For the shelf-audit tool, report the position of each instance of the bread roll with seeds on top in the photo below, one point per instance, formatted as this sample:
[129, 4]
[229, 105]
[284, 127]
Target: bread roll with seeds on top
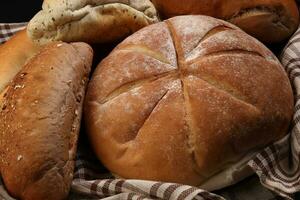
[40, 121]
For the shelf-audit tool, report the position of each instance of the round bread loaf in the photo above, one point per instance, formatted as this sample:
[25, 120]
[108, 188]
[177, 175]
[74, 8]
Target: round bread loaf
[185, 100]
[268, 20]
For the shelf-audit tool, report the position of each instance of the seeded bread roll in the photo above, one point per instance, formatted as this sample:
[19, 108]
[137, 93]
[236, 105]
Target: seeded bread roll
[268, 20]
[93, 21]
[40, 121]
[13, 55]
[187, 106]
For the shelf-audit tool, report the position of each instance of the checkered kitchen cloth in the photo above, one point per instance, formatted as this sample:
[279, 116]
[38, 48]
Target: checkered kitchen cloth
[277, 166]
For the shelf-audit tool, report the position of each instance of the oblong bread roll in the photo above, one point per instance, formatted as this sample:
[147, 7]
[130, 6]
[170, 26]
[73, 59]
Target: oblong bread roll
[269, 21]
[13, 55]
[93, 21]
[40, 121]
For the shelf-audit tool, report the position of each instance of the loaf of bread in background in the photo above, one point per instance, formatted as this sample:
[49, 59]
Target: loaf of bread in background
[268, 20]
[13, 55]
[184, 101]
[40, 121]
[92, 21]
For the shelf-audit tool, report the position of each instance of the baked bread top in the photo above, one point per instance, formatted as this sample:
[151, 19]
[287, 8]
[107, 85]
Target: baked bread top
[268, 20]
[13, 55]
[188, 104]
[93, 21]
[40, 122]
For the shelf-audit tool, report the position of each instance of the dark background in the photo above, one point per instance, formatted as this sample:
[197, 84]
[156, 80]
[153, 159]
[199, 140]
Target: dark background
[18, 10]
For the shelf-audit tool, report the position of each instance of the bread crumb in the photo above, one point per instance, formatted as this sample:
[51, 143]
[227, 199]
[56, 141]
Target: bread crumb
[22, 75]
[17, 87]
[19, 157]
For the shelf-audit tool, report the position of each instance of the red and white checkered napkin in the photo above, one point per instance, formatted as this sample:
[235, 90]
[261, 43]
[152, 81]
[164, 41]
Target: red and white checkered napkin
[277, 166]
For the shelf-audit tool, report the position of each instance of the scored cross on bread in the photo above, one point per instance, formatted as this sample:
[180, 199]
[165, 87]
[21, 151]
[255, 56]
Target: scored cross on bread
[185, 99]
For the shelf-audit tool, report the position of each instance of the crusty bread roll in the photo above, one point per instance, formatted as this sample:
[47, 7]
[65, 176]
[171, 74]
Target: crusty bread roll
[93, 21]
[187, 105]
[13, 55]
[40, 121]
[268, 20]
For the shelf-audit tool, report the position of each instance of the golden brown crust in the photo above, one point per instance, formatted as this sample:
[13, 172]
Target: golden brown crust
[268, 20]
[13, 55]
[40, 121]
[190, 103]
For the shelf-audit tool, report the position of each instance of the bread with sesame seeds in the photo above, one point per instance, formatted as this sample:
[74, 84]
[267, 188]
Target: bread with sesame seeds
[40, 121]
[13, 55]
[190, 106]
[92, 21]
